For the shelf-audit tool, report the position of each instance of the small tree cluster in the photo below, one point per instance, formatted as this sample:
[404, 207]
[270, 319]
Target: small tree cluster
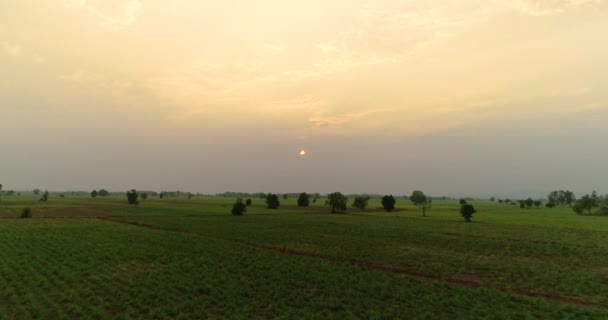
[586, 204]
[272, 201]
[561, 197]
[94, 194]
[337, 201]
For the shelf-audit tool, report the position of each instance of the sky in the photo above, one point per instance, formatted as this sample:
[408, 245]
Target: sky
[458, 98]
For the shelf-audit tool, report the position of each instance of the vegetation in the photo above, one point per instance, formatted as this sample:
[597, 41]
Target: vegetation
[418, 198]
[94, 194]
[467, 211]
[388, 203]
[360, 202]
[26, 213]
[239, 208]
[181, 259]
[337, 201]
[272, 201]
[303, 200]
[248, 202]
[144, 195]
[45, 197]
[132, 197]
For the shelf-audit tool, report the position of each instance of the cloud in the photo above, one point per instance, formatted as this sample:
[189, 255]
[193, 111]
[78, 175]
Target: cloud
[11, 48]
[112, 14]
[547, 7]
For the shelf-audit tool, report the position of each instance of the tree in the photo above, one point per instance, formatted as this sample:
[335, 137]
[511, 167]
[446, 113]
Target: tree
[285, 196]
[462, 202]
[248, 202]
[144, 196]
[316, 197]
[45, 196]
[272, 201]
[360, 202]
[103, 193]
[418, 198]
[388, 202]
[94, 194]
[132, 197]
[522, 204]
[36, 192]
[493, 199]
[303, 199]
[337, 201]
[586, 203]
[529, 203]
[550, 205]
[467, 211]
[161, 195]
[190, 195]
[238, 208]
[537, 203]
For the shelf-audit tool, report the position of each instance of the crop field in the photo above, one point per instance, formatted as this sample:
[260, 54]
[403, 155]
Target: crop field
[84, 258]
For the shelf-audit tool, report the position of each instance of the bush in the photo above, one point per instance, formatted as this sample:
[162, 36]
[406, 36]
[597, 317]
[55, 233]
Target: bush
[467, 211]
[238, 208]
[248, 202]
[26, 213]
[360, 202]
[144, 196]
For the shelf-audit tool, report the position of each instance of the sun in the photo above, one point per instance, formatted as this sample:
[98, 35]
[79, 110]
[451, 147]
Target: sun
[302, 153]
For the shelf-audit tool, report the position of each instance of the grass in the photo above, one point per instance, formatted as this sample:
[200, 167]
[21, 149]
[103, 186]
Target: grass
[179, 258]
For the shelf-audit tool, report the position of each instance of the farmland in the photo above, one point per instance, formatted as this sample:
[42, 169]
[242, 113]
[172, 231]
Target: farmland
[177, 258]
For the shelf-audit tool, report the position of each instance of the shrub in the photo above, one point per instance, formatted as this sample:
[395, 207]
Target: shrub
[26, 213]
[144, 196]
[248, 202]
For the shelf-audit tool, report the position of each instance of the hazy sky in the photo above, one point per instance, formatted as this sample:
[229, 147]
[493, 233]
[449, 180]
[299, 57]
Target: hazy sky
[463, 97]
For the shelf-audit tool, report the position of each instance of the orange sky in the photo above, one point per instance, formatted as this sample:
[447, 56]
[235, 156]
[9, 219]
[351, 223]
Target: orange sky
[108, 75]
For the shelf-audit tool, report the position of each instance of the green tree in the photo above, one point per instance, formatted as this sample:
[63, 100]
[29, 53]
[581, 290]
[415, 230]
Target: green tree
[132, 197]
[103, 193]
[467, 211]
[45, 196]
[303, 199]
[238, 208]
[585, 204]
[36, 192]
[529, 203]
[388, 203]
[272, 201]
[248, 202]
[144, 196]
[360, 202]
[462, 202]
[285, 196]
[537, 203]
[418, 198]
[337, 201]
[94, 194]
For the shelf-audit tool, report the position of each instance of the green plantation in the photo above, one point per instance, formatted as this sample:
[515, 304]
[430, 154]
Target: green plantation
[180, 258]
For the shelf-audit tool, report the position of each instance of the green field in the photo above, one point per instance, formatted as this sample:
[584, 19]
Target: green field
[83, 258]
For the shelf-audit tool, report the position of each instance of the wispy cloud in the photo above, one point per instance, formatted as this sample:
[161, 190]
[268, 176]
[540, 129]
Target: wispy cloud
[546, 7]
[112, 14]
